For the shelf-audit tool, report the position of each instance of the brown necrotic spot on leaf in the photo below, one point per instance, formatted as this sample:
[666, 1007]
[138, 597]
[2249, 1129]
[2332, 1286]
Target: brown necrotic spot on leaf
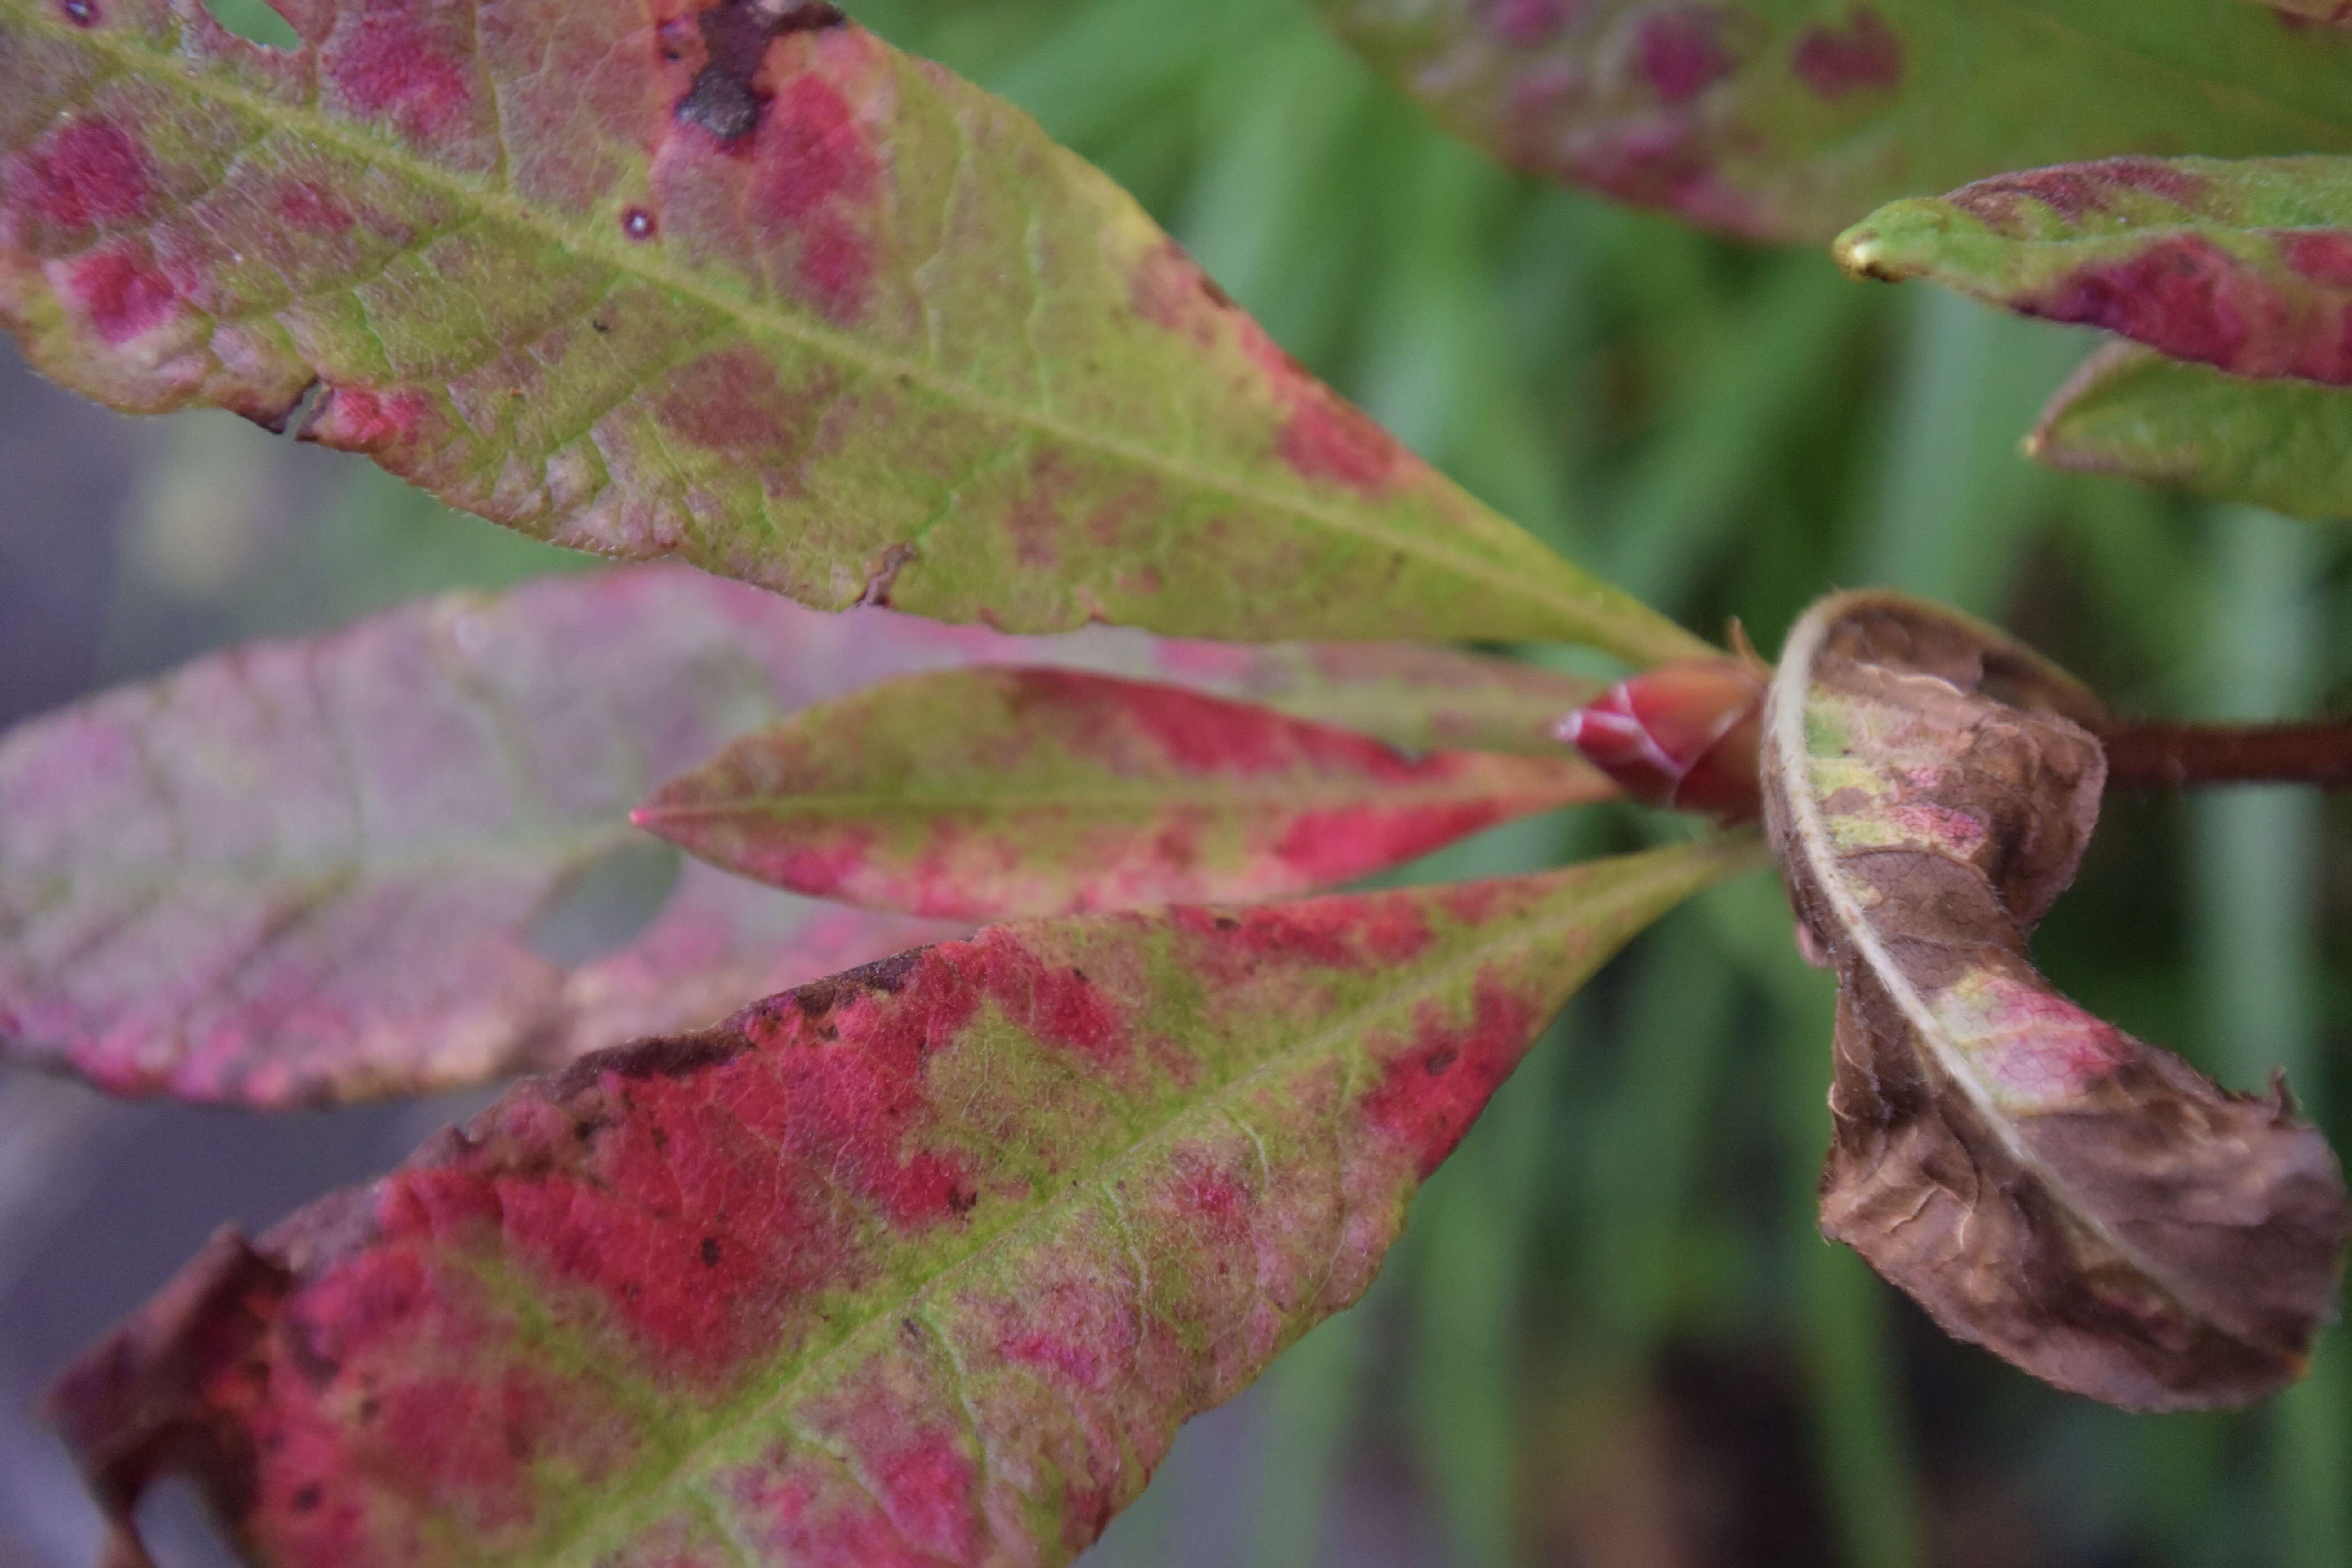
[2080, 1203]
[725, 99]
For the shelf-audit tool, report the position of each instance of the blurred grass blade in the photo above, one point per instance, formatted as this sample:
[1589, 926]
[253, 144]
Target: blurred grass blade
[1954, 503]
[2130, 411]
[2259, 860]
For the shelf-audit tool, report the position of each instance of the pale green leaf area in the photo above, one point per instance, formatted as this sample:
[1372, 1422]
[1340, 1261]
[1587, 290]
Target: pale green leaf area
[2285, 445]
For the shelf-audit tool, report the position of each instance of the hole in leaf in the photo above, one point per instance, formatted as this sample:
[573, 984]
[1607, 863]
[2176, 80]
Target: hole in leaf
[256, 23]
[605, 905]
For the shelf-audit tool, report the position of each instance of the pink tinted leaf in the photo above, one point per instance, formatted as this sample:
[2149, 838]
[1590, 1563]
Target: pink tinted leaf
[732, 281]
[2246, 266]
[1789, 121]
[990, 793]
[335, 869]
[2129, 411]
[2084, 1204]
[326, 870]
[921, 1263]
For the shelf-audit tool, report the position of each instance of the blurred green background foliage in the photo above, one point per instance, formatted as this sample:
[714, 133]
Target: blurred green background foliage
[1613, 1337]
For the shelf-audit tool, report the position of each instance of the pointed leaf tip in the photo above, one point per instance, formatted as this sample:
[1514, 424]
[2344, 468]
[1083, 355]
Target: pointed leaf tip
[773, 298]
[922, 1263]
[2080, 1202]
[2245, 265]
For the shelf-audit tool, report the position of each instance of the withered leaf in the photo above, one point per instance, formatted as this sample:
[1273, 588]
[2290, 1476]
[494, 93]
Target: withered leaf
[2082, 1204]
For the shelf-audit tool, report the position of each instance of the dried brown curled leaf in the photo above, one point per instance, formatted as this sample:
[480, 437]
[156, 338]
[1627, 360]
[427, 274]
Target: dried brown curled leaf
[2084, 1204]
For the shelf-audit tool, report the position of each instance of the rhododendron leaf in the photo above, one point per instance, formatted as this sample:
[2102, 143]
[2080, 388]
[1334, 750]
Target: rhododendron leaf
[2244, 266]
[2285, 445]
[736, 282]
[1789, 121]
[991, 794]
[330, 871]
[2080, 1203]
[923, 1263]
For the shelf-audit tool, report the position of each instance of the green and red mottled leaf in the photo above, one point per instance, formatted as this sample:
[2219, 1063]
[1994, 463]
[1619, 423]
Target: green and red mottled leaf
[1412, 695]
[995, 793]
[730, 280]
[2084, 1204]
[921, 1263]
[1788, 120]
[325, 870]
[2245, 265]
[2129, 411]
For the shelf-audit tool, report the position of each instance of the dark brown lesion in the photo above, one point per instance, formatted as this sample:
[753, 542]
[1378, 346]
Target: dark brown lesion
[724, 99]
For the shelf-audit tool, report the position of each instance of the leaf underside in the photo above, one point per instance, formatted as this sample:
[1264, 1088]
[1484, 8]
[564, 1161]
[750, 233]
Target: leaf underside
[996, 793]
[698, 279]
[921, 1264]
[1788, 120]
[2244, 266]
[2129, 411]
[2078, 1202]
[323, 871]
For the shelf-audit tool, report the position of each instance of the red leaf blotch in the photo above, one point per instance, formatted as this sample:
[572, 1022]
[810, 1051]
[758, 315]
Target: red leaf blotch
[1336, 933]
[2177, 294]
[731, 403]
[815, 161]
[2074, 191]
[1323, 437]
[1680, 52]
[358, 419]
[1058, 1005]
[395, 66]
[1526, 23]
[1334, 844]
[122, 294]
[1865, 55]
[1434, 1089]
[87, 171]
[2322, 255]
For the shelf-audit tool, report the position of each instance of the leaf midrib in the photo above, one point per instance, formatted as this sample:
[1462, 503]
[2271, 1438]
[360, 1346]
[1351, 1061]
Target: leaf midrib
[1658, 640]
[593, 1537]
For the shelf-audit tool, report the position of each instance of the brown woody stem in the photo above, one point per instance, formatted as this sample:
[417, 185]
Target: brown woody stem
[2175, 756]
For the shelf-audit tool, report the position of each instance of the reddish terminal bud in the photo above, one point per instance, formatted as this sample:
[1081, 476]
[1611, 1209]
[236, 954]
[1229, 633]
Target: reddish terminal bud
[1684, 734]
